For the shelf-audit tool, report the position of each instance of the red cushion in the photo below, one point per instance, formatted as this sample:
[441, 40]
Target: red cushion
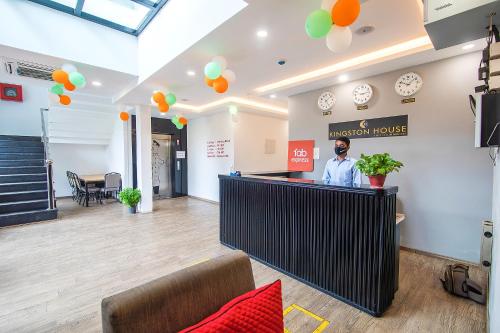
[259, 310]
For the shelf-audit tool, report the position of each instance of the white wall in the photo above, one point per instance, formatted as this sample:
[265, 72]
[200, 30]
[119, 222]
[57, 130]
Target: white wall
[494, 293]
[116, 151]
[250, 135]
[179, 25]
[203, 171]
[23, 118]
[29, 26]
[81, 159]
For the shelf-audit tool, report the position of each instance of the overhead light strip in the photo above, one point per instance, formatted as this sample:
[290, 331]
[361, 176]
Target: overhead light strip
[234, 100]
[421, 43]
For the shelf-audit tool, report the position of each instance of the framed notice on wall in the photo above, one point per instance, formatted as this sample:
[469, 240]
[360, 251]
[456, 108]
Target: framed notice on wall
[301, 155]
[11, 92]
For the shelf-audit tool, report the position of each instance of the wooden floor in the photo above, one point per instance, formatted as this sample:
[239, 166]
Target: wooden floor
[53, 275]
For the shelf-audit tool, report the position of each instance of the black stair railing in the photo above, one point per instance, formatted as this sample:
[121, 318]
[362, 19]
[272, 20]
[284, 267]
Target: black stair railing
[48, 162]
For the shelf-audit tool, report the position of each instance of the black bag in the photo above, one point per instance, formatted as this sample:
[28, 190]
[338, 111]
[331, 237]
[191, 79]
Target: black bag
[456, 281]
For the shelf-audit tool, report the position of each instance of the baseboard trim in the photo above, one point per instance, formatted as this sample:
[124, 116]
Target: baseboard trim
[203, 199]
[434, 255]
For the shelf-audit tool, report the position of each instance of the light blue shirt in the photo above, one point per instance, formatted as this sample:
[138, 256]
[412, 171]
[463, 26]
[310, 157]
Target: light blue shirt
[342, 172]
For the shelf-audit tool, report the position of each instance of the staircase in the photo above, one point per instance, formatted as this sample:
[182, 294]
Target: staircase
[24, 188]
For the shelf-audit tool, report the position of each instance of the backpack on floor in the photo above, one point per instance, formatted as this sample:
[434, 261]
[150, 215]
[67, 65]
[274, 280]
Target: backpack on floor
[456, 281]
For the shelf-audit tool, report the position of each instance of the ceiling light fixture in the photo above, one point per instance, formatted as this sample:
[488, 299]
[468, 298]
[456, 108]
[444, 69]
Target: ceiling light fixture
[262, 33]
[467, 47]
[343, 78]
[395, 51]
[96, 83]
[273, 96]
[229, 100]
[191, 73]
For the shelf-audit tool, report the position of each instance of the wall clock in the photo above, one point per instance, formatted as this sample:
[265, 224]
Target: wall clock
[362, 94]
[326, 100]
[408, 84]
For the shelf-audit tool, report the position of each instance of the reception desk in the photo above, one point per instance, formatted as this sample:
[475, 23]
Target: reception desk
[340, 240]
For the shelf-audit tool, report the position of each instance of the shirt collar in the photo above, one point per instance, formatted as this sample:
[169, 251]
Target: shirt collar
[347, 158]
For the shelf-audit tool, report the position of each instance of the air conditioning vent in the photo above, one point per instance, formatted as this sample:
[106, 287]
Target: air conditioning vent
[28, 69]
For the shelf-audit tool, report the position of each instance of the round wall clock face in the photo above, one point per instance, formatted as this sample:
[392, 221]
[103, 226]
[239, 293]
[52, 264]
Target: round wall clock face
[326, 100]
[408, 84]
[362, 94]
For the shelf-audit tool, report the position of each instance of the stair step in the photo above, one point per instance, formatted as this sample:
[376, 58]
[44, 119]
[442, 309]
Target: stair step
[11, 219]
[23, 186]
[21, 149]
[22, 170]
[19, 138]
[20, 163]
[23, 206]
[22, 178]
[12, 143]
[23, 196]
[21, 156]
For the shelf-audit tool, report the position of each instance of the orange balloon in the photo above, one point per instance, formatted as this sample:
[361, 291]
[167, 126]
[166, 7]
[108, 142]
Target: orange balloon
[60, 76]
[69, 86]
[124, 116]
[209, 82]
[64, 100]
[220, 85]
[183, 121]
[163, 107]
[345, 12]
[159, 97]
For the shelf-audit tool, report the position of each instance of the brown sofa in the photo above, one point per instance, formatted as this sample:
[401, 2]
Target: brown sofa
[179, 300]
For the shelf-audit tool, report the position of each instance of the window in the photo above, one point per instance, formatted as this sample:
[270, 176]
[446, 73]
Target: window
[130, 16]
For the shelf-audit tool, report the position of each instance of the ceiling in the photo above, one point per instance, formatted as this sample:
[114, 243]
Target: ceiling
[254, 60]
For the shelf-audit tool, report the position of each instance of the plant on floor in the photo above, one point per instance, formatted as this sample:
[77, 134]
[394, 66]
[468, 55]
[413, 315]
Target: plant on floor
[377, 167]
[130, 197]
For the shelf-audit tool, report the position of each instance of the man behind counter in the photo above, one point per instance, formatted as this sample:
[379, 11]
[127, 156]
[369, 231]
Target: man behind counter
[341, 170]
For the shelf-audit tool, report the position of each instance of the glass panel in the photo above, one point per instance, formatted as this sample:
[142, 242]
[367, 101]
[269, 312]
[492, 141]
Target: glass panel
[69, 3]
[124, 12]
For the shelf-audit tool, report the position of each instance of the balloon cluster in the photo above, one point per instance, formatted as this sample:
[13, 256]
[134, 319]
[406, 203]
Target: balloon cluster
[179, 121]
[67, 78]
[333, 21]
[163, 101]
[218, 76]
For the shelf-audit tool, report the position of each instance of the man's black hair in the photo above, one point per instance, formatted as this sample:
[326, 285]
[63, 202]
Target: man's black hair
[344, 139]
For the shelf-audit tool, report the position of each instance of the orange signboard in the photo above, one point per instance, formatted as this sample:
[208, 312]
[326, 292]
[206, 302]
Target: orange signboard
[300, 155]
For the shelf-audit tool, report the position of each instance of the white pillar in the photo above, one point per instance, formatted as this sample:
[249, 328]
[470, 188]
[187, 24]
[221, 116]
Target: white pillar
[144, 168]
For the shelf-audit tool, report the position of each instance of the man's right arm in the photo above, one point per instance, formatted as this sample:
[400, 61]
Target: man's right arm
[326, 173]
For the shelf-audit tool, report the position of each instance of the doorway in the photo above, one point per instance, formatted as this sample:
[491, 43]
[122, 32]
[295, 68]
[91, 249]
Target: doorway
[161, 152]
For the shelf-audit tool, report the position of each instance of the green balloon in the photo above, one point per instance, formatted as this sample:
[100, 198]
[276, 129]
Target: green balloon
[318, 24]
[57, 89]
[179, 126]
[213, 70]
[77, 79]
[171, 99]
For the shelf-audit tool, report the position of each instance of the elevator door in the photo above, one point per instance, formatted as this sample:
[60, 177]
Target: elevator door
[161, 150]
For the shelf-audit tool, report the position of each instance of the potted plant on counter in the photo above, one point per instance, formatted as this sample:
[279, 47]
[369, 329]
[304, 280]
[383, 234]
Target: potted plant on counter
[130, 197]
[377, 167]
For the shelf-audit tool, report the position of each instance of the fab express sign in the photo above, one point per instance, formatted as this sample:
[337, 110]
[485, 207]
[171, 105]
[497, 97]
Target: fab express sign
[300, 155]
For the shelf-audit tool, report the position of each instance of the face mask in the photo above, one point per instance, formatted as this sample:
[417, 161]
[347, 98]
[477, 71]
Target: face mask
[340, 150]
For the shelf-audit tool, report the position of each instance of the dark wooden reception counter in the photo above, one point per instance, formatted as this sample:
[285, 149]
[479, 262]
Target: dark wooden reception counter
[340, 240]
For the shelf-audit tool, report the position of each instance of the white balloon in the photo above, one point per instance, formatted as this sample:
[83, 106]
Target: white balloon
[328, 5]
[339, 38]
[229, 75]
[153, 102]
[53, 98]
[69, 68]
[221, 61]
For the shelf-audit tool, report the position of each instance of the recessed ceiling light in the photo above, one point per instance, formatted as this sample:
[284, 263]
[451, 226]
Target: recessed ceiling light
[262, 33]
[96, 83]
[191, 73]
[343, 78]
[467, 47]
[273, 96]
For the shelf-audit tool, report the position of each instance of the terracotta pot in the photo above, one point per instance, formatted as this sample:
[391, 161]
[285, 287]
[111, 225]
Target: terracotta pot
[377, 181]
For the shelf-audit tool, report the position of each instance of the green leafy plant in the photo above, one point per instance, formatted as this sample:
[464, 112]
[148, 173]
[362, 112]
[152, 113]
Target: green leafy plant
[377, 164]
[130, 197]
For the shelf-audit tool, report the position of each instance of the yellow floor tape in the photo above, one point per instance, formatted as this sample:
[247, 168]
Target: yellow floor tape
[324, 323]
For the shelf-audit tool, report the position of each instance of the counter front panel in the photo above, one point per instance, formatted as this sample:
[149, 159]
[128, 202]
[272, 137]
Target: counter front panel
[339, 240]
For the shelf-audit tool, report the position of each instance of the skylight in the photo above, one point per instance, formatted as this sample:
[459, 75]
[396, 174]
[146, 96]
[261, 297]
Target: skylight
[130, 16]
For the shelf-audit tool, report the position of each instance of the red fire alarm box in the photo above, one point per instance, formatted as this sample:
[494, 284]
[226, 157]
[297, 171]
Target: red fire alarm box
[11, 92]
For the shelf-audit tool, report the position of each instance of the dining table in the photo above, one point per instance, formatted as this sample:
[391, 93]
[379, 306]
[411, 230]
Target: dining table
[91, 181]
